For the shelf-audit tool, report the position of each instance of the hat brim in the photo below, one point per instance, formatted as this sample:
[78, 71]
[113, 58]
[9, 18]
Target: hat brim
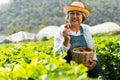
[76, 8]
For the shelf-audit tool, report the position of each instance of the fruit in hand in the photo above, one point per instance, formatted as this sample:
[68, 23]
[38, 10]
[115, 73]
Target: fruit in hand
[66, 26]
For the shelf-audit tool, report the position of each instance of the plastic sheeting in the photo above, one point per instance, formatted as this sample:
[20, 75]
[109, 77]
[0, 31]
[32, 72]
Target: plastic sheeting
[50, 31]
[105, 27]
[47, 32]
[20, 36]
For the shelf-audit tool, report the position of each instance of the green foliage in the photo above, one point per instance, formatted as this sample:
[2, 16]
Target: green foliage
[37, 61]
[108, 52]
[29, 15]
[112, 33]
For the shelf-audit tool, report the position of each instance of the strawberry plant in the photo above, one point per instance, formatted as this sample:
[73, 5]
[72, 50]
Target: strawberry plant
[108, 52]
[37, 61]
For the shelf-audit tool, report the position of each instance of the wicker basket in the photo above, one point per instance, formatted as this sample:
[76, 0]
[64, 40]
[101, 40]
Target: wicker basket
[82, 57]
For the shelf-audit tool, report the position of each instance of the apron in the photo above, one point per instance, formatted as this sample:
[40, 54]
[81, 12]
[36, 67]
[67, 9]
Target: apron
[75, 42]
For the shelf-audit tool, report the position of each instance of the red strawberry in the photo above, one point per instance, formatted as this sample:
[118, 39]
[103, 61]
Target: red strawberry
[66, 26]
[83, 49]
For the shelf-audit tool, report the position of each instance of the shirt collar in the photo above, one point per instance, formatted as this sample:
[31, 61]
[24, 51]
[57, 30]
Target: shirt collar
[80, 32]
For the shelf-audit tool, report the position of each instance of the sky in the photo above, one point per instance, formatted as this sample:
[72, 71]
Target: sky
[3, 1]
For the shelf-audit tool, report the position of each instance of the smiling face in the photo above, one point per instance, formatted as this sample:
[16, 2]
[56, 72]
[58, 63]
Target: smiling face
[75, 18]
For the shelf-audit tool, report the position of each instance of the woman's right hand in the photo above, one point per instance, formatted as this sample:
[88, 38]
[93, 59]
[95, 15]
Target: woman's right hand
[66, 35]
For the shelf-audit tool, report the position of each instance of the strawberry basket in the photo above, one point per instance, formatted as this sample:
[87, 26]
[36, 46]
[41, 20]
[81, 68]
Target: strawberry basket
[82, 55]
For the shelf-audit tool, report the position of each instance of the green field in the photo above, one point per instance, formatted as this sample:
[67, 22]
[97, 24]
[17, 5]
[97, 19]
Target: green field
[37, 61]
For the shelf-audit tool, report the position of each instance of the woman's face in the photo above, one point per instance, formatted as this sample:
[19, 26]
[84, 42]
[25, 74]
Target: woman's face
[75, 18]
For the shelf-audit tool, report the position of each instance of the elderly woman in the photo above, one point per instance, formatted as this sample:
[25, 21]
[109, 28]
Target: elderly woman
[74, 34]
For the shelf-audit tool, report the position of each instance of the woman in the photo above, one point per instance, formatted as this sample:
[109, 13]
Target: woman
[74, 34]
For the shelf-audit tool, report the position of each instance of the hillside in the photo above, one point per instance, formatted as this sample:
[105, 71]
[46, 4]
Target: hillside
[31, 15]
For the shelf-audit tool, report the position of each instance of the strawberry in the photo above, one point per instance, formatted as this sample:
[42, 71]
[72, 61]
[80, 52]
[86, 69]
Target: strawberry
[83, 49]
[66, 26]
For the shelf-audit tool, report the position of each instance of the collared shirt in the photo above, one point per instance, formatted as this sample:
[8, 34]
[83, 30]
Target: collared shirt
[58, 39]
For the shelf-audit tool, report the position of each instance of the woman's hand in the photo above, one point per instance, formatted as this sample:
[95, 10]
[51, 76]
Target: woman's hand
[66, 35]
[92, 64]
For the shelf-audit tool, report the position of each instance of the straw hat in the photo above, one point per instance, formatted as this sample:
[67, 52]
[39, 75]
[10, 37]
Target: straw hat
[78, 6]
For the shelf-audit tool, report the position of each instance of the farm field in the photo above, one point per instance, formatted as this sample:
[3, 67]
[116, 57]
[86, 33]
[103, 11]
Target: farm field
[37, 61]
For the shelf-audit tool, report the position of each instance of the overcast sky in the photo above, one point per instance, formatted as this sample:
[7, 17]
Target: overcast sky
[3, 1]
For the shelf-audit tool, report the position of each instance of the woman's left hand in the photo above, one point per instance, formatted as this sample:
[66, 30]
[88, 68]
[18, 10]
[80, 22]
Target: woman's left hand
[92, 64]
